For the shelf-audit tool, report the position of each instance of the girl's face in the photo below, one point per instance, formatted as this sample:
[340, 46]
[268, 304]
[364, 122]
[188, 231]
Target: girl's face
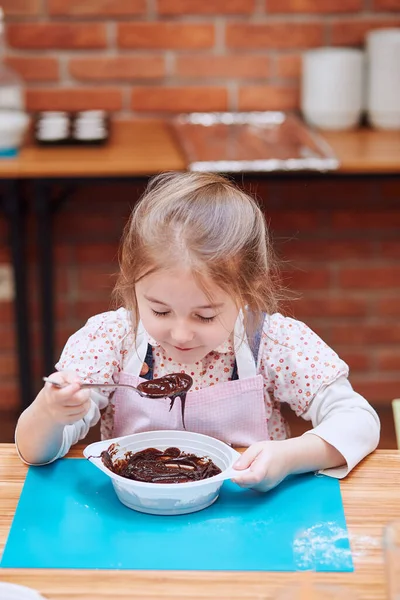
[181, 318]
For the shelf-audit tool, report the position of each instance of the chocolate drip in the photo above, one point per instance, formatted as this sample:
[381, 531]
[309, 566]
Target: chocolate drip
[172, 386]
[155, 466]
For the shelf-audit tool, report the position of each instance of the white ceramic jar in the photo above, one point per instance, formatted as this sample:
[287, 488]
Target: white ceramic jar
[383, 95]
[332, 90]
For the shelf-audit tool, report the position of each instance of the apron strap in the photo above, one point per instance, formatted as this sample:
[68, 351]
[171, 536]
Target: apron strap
[254, 347]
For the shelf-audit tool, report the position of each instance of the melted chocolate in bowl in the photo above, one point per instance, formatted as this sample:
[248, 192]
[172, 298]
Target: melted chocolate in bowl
[157, 466]
[170, 386]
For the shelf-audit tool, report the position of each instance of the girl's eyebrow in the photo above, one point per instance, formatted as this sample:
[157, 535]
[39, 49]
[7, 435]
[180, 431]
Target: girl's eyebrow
[150, 299]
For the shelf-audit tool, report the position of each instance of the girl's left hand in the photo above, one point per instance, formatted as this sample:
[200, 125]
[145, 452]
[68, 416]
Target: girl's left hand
[268, 464]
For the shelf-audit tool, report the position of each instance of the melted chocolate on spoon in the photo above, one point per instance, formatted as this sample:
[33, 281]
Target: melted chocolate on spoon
[170, 386]
[155, 466]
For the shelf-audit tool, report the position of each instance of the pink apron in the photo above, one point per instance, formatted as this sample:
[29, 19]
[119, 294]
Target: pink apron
[233, 411]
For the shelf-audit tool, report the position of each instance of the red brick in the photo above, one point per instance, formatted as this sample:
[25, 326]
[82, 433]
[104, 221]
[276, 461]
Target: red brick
[314, 6]
[96, 8]
[71, 227]
[177, 36]
[122, 68]
[288, 66]
[388, 307]
[369, 219]
[390, 249]
[223, 67]
[35, 68]
[274, 35]
[357, 360]
[8, 366]
[6, 312]
[353, 32]
[300, 220]
[190, 7]
[179, 99]
[315, 279]
[376, 389]
[62, 253]
[56, 35]
[372, 278]
[21, 8]
[367, 335]
[323, 250]
[10, 396]
[97, 253]
[74, 99]
[95, 280]
[268, 97]
[389, 360]
[387, 5]
[5, 255]
[7, 338]
[329, 307]
[84, 309]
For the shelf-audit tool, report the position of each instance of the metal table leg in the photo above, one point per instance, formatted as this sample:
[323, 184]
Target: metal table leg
[14, 211]
[43, 211]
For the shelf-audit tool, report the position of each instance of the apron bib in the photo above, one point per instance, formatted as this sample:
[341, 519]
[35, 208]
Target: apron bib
[233, 411]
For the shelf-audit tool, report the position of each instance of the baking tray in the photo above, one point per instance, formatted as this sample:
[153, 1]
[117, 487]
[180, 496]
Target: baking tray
[251, 141]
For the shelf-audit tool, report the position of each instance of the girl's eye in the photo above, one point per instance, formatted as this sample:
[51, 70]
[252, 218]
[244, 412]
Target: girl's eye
[205, 319]
[160, 314]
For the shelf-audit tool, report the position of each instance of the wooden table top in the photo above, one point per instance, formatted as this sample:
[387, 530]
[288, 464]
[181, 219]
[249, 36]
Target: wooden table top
[366, 150]
[142, 148]
[371, 499]
[136, 148]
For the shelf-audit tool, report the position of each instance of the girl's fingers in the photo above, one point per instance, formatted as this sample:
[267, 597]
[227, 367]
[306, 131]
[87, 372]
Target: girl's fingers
[78, 398]
[67, 392]
[79, 414]
[258, 469]
[248, 456]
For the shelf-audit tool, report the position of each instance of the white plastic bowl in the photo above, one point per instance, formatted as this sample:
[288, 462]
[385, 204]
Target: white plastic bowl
[168, 498]
[13, 126]
[12, 591]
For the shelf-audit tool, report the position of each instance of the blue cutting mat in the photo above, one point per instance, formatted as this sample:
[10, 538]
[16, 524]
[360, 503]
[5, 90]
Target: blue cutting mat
[68, 516]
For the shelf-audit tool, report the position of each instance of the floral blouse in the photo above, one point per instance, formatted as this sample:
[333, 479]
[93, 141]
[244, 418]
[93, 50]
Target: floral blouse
[294, 362]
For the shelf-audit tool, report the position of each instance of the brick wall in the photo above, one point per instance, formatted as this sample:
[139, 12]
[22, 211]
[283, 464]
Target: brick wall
[339, 241]
[162, 56]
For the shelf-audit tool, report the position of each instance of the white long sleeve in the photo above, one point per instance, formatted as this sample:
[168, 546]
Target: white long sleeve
[344, 419]
[73, 433]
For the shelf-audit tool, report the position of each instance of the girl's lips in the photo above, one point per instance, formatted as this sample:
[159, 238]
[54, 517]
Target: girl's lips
[183, 349]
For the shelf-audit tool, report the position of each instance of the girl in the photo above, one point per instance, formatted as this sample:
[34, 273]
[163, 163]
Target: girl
[199, 292]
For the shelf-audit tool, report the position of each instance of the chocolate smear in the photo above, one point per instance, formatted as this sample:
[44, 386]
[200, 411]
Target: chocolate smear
[156, 466]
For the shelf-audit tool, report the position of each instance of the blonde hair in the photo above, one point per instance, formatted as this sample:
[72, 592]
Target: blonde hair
[206, 223]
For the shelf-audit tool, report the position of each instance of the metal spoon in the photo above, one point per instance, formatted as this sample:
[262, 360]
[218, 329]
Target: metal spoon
[169, 386]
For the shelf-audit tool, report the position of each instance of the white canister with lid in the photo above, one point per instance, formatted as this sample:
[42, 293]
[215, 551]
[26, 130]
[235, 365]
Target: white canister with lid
[332, 90]
[383, 95]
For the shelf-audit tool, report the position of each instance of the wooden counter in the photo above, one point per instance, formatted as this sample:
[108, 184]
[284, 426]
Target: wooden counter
[366, 150]
[371, 499]
[137, 148]
[141, 148]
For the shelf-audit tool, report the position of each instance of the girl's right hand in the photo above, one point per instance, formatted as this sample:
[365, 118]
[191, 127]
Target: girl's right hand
[66, 405]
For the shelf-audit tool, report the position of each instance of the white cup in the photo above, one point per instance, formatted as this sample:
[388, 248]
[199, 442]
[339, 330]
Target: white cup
[383, 95]
[332, 87]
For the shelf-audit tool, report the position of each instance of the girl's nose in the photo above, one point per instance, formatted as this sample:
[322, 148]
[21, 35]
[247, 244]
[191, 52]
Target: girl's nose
[182, 335]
